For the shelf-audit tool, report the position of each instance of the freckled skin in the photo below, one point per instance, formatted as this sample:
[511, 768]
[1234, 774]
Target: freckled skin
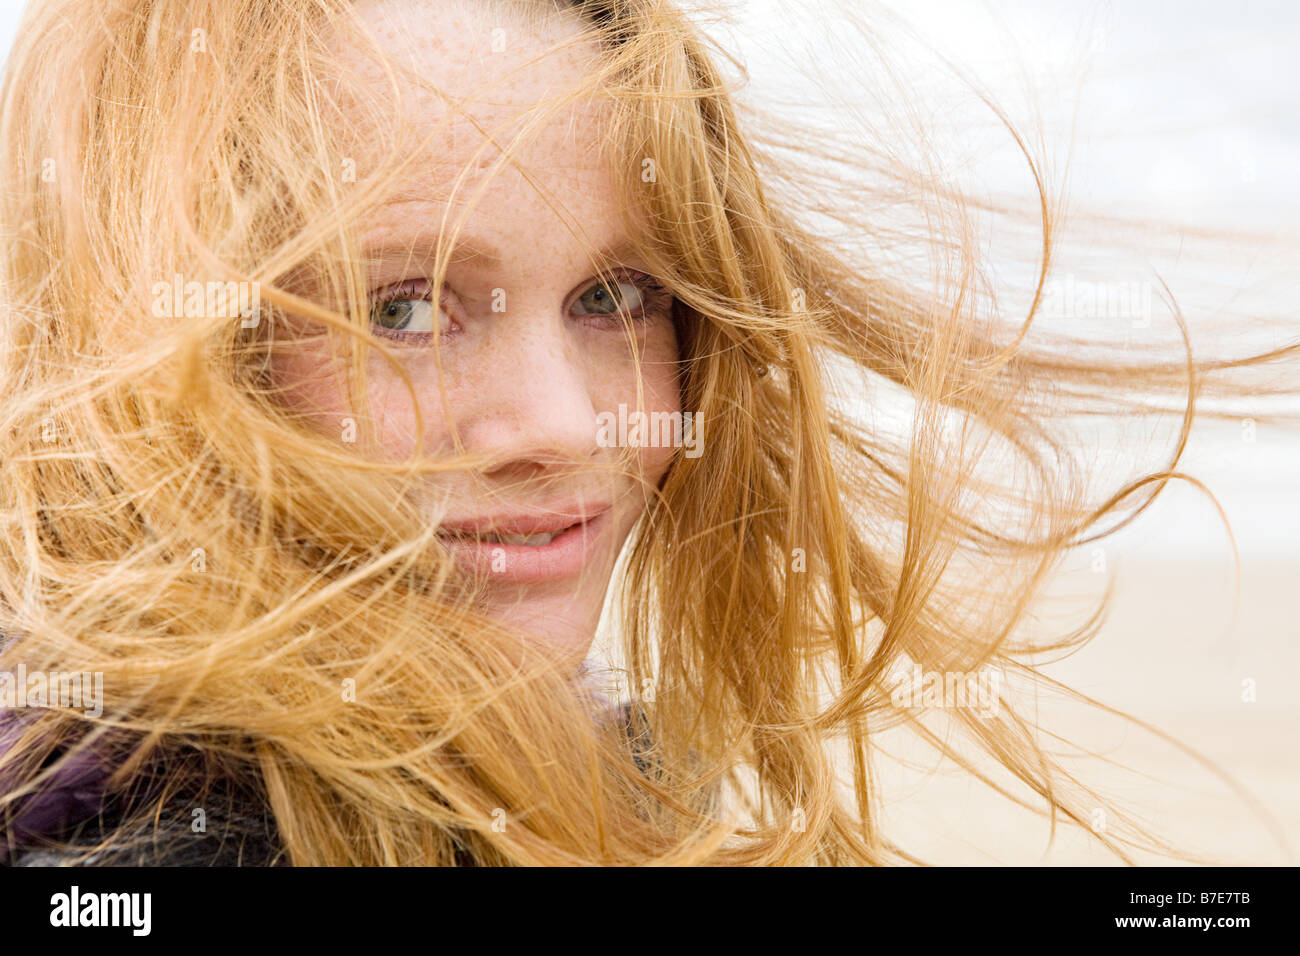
[525, 384]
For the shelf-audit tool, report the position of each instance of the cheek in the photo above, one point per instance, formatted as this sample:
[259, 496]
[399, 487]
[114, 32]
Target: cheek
[313, 383]
[308, 382]
[654, 462]
[656, 372]
[660, 392]
[394, 409]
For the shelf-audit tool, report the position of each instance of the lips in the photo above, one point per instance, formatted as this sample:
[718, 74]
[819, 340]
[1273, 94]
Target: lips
[520, 548]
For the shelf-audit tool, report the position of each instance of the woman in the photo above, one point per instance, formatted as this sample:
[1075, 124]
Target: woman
[358, 350]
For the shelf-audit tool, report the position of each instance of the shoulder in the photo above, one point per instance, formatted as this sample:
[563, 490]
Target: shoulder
[232, 843]
[75, 819]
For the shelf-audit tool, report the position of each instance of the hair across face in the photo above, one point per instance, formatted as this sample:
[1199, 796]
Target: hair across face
[522, 348]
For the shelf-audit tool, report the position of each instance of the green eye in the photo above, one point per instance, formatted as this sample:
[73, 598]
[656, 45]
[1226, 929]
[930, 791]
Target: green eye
[607, 298]
[409, 315]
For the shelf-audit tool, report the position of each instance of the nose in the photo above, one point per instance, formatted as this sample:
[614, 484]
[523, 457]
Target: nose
[533, 414]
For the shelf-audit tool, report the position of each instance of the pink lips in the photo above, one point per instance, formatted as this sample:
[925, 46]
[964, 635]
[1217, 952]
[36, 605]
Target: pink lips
[571, 550]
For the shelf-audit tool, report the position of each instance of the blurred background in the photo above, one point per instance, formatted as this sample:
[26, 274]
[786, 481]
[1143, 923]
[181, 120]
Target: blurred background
[1182, 115]
[1182, 112]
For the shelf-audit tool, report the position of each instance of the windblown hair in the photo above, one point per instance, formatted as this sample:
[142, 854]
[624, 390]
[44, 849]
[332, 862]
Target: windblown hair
[270, 610]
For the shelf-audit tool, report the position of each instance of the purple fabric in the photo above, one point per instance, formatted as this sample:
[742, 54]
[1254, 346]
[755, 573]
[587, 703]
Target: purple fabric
[73, 794]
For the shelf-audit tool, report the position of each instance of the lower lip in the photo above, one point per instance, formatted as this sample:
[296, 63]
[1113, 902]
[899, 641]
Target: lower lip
[563, 557]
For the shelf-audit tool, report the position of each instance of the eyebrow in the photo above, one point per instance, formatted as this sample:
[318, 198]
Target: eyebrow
[421, 246]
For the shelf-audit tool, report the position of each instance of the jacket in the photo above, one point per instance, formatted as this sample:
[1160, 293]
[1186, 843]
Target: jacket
[65, 823]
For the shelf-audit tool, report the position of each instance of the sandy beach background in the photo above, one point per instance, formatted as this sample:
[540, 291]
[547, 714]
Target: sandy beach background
[1171, 656]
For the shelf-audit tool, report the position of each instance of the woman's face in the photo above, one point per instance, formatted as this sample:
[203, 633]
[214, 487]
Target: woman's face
[521, 340]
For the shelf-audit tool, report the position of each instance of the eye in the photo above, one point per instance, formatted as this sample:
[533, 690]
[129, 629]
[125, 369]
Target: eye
[607, 298]
[635, 296]
[405, 311]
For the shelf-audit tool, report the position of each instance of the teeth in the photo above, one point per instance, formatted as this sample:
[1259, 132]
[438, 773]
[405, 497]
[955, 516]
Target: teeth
[528, 540]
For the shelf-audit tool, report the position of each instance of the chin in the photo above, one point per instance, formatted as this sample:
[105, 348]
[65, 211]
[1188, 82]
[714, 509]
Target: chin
[562, 624]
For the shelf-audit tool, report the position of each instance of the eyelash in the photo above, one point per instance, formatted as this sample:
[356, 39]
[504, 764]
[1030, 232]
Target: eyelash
[657, 299]
[656, 296]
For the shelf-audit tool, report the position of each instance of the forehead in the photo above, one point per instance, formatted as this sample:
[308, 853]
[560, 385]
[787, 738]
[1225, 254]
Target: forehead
[466, 71]
[471, 76]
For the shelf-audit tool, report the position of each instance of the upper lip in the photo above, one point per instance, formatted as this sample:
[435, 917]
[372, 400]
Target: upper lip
[550, 521]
